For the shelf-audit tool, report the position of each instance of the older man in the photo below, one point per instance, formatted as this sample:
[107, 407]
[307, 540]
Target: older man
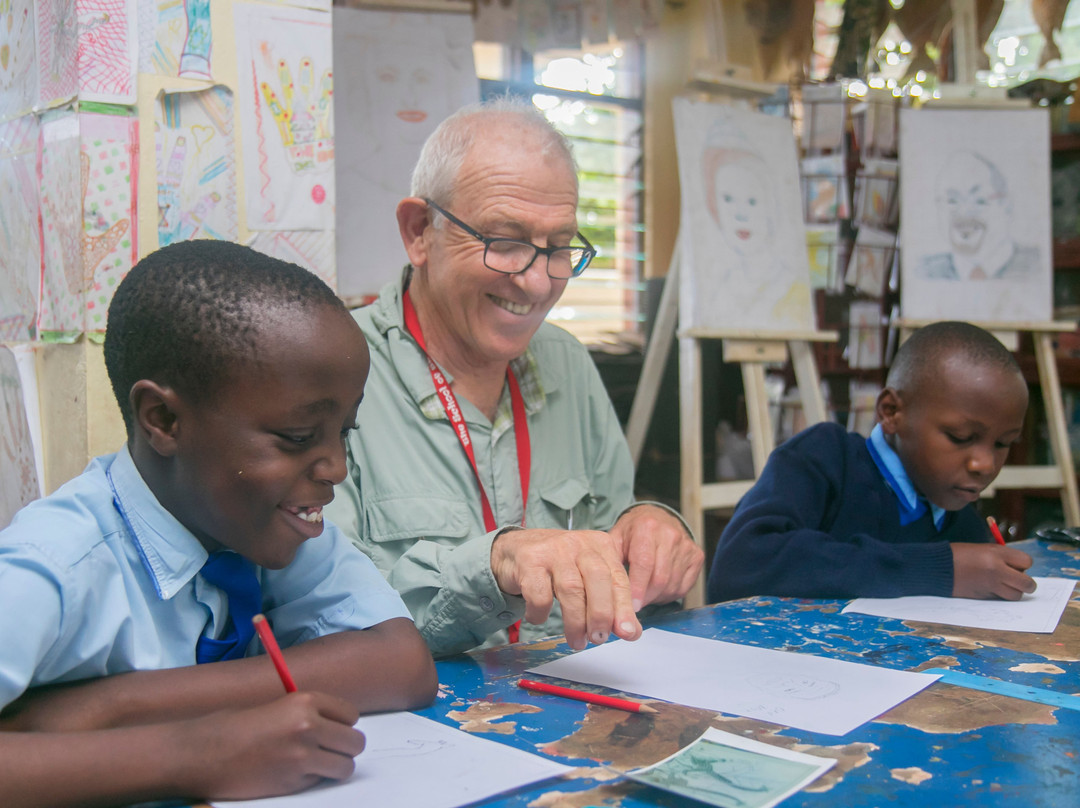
[495, 482]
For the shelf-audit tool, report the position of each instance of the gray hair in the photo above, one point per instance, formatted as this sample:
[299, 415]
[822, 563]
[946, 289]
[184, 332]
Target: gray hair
[436, 173]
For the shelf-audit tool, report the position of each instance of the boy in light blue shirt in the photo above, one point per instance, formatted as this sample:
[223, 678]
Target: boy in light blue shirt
[238, 376]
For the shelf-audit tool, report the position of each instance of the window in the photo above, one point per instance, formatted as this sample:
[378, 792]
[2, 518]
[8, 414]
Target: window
[593, 97]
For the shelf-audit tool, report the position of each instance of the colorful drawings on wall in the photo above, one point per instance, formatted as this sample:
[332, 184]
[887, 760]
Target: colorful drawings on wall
[63, 278]
[285, 83]
[196, 165]
[18, 69]
[20, 250]
[57, 51]
[175, 38]
[108, 50]
[19, 481]
[108, 176]
[311, 249]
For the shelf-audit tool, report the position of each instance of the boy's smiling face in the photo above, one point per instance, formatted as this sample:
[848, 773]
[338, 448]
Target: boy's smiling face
[254, 463]
[954, 431]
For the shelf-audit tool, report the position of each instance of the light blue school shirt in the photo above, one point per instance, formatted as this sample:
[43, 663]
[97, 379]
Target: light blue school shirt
[912, 504]
[99, 579]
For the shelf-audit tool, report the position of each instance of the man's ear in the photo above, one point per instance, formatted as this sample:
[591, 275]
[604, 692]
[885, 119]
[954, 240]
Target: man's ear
[154, 409]
[414, 220]
[887, 409]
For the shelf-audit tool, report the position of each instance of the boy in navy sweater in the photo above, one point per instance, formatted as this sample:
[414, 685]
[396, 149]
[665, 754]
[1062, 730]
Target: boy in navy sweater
[835, 515]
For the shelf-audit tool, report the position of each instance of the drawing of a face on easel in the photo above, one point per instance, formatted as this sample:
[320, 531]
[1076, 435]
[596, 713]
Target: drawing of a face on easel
[739, 199]
[975, 209]
[975, 206]
[742, 232]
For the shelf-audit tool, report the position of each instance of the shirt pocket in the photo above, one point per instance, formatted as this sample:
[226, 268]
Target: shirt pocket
[568, 504]
[443, 520]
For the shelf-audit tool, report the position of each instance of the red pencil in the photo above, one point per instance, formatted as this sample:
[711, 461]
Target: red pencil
[271, 646]
[995, 531]
[581, 695]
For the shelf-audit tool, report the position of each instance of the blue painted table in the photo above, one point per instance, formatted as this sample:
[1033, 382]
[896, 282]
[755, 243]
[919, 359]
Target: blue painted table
[945, 746]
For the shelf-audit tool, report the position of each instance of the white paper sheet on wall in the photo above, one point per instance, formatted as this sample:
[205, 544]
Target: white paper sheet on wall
[397, 75]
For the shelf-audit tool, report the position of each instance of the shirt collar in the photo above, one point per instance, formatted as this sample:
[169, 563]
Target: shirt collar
[912, 505]
[171, 555]
[387, 315]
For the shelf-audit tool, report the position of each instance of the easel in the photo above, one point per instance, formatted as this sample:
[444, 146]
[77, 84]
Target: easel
[752, 350]
[1061, 474]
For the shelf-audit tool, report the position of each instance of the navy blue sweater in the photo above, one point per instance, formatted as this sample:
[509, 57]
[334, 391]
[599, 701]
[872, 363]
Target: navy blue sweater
[820, 522]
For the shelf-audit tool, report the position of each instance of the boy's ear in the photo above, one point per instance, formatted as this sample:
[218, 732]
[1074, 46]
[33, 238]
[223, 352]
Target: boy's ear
[887, 409]
[154, 409]
[414, 219]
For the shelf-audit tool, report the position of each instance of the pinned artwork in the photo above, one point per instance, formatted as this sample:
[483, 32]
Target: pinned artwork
[175, 38]
[57, 51]
[399, 75]
[63, 281]
[743, 240]
[19, 481]
[196, 165]
[108, 175]
[286, 86]
[18, 59]
[20, 246]
[975, 215]
[108, 50]
[311, 249]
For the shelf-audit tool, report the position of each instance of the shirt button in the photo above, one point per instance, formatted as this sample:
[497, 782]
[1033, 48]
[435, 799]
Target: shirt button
[506, 615]
[486, 604]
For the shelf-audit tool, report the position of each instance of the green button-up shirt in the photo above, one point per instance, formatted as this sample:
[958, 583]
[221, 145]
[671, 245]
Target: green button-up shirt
[411, 502]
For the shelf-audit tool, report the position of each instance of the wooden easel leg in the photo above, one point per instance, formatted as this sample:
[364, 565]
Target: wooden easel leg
[1055, 419]
[656, 353]
[690, 453]
[806, 377]
[762, 434]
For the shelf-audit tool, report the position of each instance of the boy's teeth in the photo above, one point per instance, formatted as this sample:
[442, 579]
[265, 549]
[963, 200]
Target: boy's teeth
[313, 515]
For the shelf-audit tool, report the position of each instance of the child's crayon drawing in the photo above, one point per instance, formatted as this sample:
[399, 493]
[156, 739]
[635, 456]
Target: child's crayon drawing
[64, 279]
[20, 247]
[286, 89]
[57, 51]
[108, 175]
[311, 249]
[108, 50]
[18, 472]
[17, 58]
[175, 38]
[196, 166]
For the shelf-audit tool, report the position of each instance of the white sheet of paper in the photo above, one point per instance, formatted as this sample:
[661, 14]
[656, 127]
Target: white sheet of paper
[798, 690]
[414, 762]
[710, 771]
[1038, 612]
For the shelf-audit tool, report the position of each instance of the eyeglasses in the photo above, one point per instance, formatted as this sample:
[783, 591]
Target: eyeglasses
[511, 257]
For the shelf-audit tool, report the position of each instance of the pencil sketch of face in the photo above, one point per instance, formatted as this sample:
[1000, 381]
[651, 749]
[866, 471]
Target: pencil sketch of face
[794, 687]
[974, 200]
[407, 95]
[739, 200]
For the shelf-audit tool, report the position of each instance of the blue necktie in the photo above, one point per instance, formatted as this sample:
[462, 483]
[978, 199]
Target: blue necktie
[235, 576]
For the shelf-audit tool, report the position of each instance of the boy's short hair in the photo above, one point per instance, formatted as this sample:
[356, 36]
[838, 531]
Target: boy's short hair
[189, 312]
[921, 355]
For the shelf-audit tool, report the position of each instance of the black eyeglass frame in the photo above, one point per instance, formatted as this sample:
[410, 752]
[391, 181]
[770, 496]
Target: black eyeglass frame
[487, 241]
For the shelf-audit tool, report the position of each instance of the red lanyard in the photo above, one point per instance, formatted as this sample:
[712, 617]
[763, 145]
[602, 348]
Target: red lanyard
[457, 420]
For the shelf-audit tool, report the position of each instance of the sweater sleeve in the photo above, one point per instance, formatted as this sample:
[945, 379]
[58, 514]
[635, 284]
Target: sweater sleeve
[782, 538]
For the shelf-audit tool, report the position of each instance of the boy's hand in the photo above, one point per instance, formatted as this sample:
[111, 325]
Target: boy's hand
[274, 749]
[990, 571]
